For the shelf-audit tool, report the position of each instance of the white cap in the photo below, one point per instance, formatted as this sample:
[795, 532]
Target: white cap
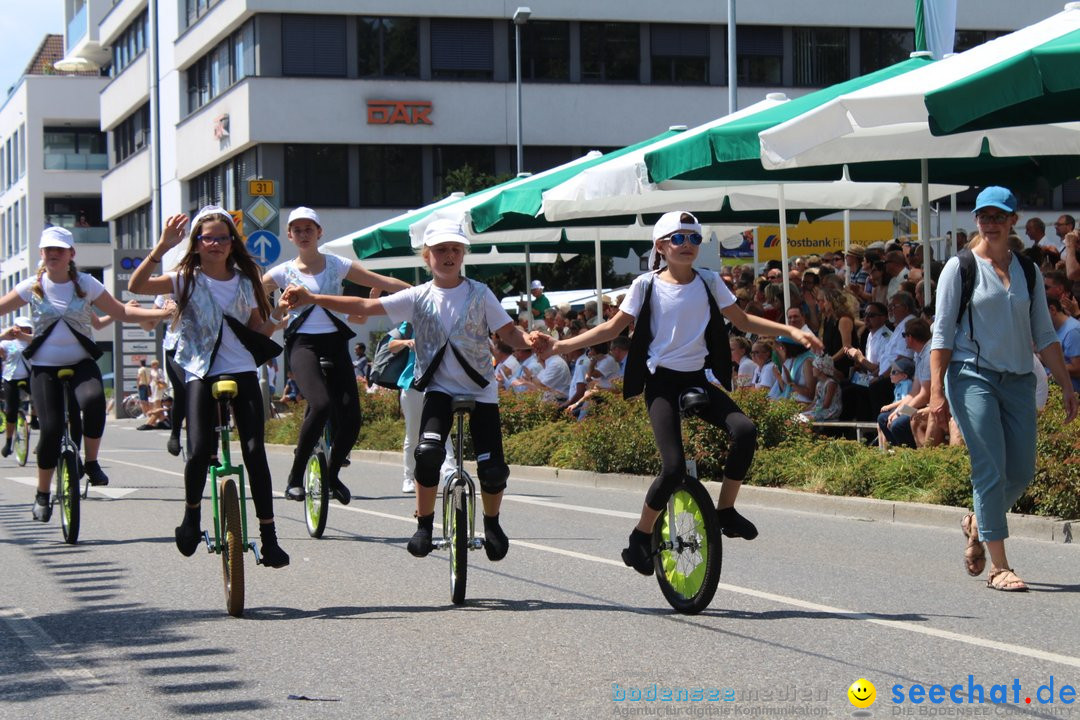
[444, 230]
[56, 237]
[24, 322]
[537, 285]
[672, 222]
[876, 245]
[303, 213]
[212, 210]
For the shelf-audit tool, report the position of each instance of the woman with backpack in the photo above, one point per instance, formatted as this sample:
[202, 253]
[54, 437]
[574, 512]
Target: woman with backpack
[989, 316]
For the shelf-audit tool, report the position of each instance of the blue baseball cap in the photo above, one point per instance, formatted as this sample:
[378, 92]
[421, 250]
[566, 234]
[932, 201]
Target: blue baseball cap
[995, 196]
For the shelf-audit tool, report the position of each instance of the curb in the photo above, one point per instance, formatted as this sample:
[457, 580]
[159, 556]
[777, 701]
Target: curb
[1031, 527]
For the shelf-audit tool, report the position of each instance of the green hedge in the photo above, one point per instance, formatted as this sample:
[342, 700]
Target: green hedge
[615, 437]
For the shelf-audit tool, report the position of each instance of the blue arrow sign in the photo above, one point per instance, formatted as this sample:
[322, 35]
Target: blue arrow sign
[264, 246]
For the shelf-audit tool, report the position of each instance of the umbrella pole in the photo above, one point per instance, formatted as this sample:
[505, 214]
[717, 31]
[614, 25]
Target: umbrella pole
[783, 247]
[953, 246]
[599, 282]
[528, 287]
[847, 232]
[924, 230]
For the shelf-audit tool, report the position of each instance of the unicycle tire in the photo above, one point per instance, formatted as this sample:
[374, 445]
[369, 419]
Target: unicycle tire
[688, 578]
[67, 496]
[316, 495]
[232, 547]
[22, 440]
[456, 517]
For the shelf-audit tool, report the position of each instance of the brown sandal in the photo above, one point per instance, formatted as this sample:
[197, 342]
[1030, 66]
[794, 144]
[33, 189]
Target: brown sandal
[1006, 580]
[974, 553]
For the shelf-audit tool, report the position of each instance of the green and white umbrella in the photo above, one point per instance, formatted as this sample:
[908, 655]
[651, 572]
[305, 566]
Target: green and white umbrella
[1033, 87]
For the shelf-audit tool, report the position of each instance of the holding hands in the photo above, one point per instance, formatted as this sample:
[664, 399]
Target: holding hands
[540, 341]
[296, 296]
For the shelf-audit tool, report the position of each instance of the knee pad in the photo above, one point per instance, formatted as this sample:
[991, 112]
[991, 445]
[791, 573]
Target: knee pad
[429, 455]
[492, 475]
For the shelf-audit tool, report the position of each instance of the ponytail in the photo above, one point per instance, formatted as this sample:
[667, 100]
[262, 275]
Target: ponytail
[37, 289]
[73, 273]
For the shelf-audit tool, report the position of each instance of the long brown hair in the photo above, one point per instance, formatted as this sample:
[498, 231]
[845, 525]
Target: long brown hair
[73, 273]
[239, 258]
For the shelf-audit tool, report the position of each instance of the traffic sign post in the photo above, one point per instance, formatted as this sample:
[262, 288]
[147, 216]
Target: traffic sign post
[130, 344]
[261, 207]
[264, 246]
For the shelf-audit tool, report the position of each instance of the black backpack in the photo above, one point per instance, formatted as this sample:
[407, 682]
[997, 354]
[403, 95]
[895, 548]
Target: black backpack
[967, 282]
[387, 366]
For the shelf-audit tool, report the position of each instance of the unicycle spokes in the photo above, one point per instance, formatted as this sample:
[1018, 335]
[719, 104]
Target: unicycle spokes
[316, 495]
[22, 439]
[687, 545]
[67, 496]
[232, 551]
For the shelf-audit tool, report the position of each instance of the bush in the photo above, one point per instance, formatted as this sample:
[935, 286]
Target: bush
[522, 411]
[380, 405]
[382, 434]
[1056, 488]
[536, 446]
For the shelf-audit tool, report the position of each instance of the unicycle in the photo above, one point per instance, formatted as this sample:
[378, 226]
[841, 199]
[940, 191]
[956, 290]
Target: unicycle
[230, 515]
[21, 444]
[316, 492]
[67, 469]
[459, 508]
[686, 540]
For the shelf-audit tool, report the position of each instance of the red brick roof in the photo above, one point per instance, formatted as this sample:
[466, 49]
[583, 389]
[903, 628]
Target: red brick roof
[51, 50]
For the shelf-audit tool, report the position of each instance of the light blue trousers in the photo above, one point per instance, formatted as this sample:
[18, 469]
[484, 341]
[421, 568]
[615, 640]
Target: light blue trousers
[996, 414]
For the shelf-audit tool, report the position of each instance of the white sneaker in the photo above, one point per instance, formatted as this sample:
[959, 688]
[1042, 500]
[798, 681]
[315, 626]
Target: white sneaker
[407, 486]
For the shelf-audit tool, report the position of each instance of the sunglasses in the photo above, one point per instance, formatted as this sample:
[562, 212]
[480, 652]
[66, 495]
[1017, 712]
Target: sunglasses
[215, 239]
[679, 238]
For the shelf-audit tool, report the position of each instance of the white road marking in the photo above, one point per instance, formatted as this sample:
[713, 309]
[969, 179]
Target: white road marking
[46, 648]
[114, 493]
[1011, 648]
[578, 508]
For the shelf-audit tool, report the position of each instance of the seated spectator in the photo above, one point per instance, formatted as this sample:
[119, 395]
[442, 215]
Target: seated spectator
[765, 369]
[741, 361]
[506, 365]
[894, 422]
[796, 374]
[579, 362]
[618, 349]
[291, 392]
[1068, 333]
[526, 361]
[827, 393]
[553, 379]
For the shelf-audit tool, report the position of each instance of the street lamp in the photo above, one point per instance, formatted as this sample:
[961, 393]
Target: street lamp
[521, 16]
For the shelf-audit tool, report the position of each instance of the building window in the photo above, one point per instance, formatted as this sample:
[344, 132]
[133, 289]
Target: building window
[131, 135]
[880, 48]
[545, 50]
[130, 44]
[390, 176]
[389, 47]
[313, 45]
[229, 62]
[20, 147]
[220, 185]
[317, 175]
[133, 229]
[462, 49]
[610, 52]
[967, 39]
[820, 56]
[759, 55]
[680, 54]
[74, 149]
[197, 8]
[447, 158]
[82, 216]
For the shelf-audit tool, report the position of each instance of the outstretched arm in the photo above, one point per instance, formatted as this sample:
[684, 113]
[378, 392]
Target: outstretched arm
[296, 296]
[362, 276]
[607, 330]
[762, 326]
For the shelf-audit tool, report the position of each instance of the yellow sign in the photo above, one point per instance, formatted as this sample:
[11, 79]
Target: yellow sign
[238, 220]
[821, 237]
[263, 188]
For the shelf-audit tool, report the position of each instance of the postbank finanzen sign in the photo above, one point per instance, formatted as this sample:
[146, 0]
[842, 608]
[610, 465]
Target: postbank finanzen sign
[399, 112]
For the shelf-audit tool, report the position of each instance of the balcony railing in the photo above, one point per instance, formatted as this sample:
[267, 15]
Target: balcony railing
[95, 235]
[77, 27]
[76, 161]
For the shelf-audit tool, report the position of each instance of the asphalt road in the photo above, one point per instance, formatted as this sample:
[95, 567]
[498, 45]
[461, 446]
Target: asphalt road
[122, 626]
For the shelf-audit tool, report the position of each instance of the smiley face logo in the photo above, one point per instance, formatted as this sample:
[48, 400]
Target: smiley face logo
[862, 693]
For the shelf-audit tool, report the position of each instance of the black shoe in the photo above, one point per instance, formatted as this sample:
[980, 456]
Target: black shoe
[638, 553]
[340, 492]
[146, 426]
[188, 538]
[7, 449]
[495, 541]
[42, 510]
[34, 423]
[735, 525]
[273, 556]
[173, 445]
[294, 490]
[94, 473]
[346, 462]
[420, 543]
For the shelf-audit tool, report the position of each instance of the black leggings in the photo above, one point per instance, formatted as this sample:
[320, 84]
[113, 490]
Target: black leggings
[86, 395]
[437, 419]
[662, 390]
[179, 392]
[202, 440]
[12, 398]
[334, 397]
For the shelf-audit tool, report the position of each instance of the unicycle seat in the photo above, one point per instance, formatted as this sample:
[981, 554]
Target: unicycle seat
[224, 388]
[326, 365]
[66, 374]
[693, 402]
[462, 404]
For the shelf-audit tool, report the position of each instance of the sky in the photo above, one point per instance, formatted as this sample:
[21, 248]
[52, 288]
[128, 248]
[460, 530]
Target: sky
[23, 24]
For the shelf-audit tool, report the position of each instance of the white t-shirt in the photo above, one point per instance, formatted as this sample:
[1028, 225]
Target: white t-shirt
[555, 376]
[450, 377]
[680, 314]
[764, 376]
[579, 375]
[318, 322]
[60, 348]
[508, 369]
[232, 356]
[608, 368]
[745, 376]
